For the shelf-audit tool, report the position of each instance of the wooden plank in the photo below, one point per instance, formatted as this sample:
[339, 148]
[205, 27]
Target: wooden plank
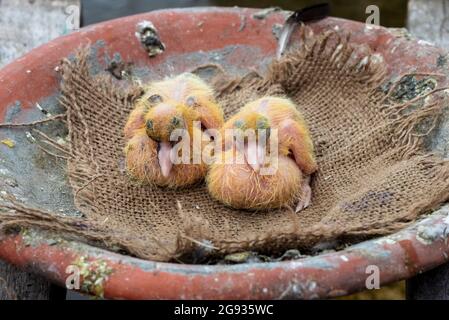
[429, 20]
[24, 25]
[431, 285]
[16, 284]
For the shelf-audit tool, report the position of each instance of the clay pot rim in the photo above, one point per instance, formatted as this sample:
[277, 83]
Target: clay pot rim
[398, 256]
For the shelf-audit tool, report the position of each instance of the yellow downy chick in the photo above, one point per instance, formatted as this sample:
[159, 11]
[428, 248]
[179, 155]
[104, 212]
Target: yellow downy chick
[166, 106]
[243, 185]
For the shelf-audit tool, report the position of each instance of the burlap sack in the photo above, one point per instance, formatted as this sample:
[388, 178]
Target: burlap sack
[374, 176]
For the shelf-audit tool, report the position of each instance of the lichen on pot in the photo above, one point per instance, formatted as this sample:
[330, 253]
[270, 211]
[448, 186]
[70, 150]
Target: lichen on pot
[94, 274]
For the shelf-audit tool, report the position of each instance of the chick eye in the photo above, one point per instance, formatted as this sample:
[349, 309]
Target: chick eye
[155, 98]
[149, 125]
[191, 101]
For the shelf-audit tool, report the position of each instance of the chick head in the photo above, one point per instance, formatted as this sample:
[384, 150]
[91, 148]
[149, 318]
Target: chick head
[174, 104]
[166, 117]
[252, 122]
[250, 134]
[168, 111]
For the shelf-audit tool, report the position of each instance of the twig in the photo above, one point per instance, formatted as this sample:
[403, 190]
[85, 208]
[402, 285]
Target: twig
[51, 153]
[199, 242]
[87, 183]
[49, 119]
[52, 142]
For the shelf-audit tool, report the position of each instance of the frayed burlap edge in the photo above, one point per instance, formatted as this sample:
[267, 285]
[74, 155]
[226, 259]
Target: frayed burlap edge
[338, 51]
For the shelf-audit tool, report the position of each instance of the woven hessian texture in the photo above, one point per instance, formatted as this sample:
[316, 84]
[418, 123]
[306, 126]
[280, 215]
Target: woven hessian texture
[373, 177]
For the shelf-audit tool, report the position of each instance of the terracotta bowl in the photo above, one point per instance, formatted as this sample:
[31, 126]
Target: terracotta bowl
[238, 41]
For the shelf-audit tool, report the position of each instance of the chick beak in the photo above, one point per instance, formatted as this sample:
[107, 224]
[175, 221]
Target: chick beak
[164, 158]
[255, 155]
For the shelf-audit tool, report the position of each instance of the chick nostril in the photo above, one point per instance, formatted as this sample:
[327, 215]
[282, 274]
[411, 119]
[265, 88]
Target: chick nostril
[176, 122]
[149, 125]
[154, 99]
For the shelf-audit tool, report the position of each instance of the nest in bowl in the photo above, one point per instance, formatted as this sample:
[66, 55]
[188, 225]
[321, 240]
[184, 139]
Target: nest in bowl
[374, 176]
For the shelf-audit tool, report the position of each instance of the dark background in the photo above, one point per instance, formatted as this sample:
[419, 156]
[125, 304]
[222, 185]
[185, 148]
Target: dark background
[393, 13]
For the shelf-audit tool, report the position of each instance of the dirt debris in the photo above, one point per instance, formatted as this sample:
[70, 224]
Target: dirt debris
[149, 38]
[119, 69]
[9, 143]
